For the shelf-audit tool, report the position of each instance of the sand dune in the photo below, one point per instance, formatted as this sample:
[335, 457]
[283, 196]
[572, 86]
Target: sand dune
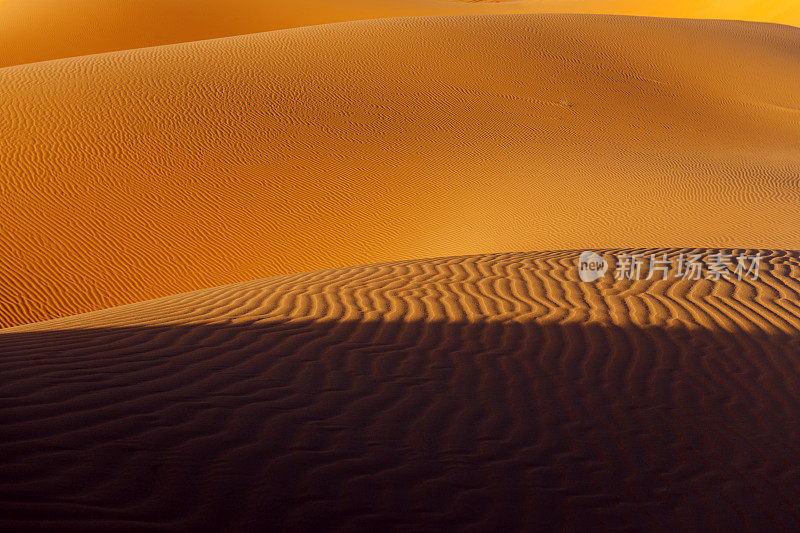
[139, 174]
[38, 30]
[486, 392]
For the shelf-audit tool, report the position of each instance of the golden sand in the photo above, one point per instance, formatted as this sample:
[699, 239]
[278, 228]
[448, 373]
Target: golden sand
[139, 174]
[38, 30]
[203, 204]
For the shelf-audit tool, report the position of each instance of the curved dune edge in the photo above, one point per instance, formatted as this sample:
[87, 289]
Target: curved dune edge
[134, 175]
[39, 30]
[489, 391]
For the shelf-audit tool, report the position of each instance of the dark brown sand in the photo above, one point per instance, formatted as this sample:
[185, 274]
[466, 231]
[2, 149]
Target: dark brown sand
[479, 393]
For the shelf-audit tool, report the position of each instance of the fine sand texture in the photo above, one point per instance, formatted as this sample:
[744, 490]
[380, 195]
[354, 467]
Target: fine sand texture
[473, 393]
[138, 174]
[39, 30]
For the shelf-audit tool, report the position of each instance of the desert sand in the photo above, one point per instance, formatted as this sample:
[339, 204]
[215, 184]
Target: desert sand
[138, 174]
[480, 392]
[266, 265]
[39, 30]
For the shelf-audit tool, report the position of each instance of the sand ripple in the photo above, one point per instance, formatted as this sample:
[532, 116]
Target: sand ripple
[484, 392]
[133, 175]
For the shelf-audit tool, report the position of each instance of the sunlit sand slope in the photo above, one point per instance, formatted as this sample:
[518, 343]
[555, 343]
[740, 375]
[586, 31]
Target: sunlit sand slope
[138, 174]
[38, 30]
[489, 392]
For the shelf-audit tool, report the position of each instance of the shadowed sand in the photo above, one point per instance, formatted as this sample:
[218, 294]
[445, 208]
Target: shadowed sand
[139, 174]
[38, 30]
[484, 392]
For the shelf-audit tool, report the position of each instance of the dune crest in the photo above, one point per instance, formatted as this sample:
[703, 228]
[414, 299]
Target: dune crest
[489, 392]
[134, 175]
[40, 30]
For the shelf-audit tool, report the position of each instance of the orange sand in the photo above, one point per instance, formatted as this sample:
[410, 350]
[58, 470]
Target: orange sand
[490, 392]
[37, 30]
[138, 174]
